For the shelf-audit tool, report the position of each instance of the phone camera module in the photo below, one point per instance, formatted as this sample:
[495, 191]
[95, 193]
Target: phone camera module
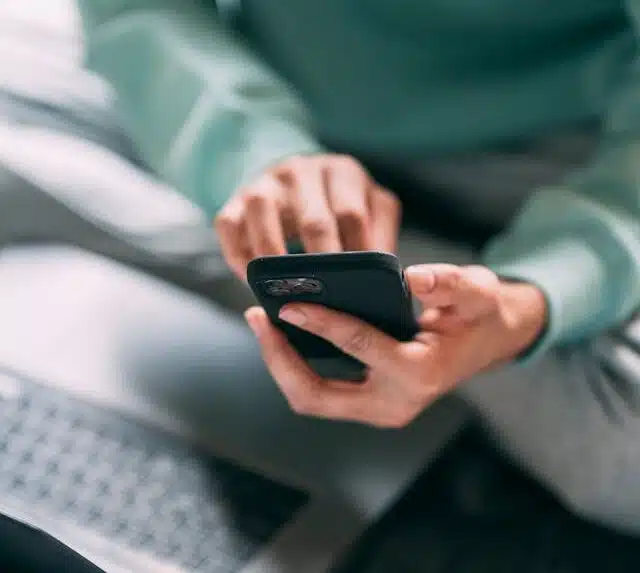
[305, 286]
[296, 286]
[277, 287]
[312, 286]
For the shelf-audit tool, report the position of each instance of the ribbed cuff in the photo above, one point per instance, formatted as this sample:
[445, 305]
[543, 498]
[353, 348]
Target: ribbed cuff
[266, 143]
[573, 279]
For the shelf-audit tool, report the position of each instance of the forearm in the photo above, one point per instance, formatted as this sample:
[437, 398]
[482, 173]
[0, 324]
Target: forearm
[203, 111]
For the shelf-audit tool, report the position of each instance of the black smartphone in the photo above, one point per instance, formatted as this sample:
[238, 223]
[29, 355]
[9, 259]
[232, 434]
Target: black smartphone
[369, 285]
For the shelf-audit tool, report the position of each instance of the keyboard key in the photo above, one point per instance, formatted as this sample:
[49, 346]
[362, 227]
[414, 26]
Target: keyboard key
[135, 485]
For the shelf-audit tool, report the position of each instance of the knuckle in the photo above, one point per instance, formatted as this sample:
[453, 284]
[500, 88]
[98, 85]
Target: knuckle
[257, 195]
[254, 198]
[482, 272]
[450, 278]
[315, 227]
[295, 163]
[359, 341]
[482, 277]
[388, 197]
[350, 163]
[352, 217]
[389, 201]
[225, 221]
[303, 405]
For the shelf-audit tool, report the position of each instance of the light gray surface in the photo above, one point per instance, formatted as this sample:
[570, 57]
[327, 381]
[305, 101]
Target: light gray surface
[126, 341]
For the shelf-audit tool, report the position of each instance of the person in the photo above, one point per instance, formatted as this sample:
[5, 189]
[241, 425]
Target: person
[317, 121]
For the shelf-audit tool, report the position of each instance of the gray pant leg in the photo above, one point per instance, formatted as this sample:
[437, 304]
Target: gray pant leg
[58, 186]
[571, 419]
[69, 174]
[185, 255]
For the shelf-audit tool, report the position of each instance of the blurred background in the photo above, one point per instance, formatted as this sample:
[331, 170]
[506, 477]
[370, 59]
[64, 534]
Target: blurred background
[471, 512]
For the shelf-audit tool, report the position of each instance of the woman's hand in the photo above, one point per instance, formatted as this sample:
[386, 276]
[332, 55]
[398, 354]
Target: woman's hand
[329, 202]
[472, 321]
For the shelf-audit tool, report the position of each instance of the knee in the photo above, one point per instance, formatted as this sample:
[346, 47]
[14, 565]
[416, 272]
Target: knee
[600, 485]
[572, 420]
[585, 495]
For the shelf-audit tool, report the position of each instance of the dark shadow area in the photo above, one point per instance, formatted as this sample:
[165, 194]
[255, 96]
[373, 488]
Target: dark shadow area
[472, 512]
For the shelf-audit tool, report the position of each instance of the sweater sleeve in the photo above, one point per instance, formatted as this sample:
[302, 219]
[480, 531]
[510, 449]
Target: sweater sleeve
[202, 110]
[580, 241]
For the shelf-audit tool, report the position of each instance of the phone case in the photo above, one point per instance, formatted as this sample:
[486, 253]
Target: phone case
[368, 285]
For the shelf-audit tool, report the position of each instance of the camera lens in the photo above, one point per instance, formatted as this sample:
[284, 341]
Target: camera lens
[277, 287]
[299, 286]
[282, 287]
[312, 286]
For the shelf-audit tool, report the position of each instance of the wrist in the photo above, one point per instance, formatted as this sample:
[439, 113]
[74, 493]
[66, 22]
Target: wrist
[523, 315]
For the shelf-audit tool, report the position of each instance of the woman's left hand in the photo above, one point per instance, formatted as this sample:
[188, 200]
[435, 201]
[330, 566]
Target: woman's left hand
[471, 321]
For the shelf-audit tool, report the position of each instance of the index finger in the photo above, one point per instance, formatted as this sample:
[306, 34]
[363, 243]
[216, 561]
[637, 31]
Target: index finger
[263, 218]
[348, 188]
[305, 391]
[348, 333]
[230, 226]
[315, 222]
[386, 214]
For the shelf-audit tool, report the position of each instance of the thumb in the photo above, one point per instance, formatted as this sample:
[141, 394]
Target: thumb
[467, 291]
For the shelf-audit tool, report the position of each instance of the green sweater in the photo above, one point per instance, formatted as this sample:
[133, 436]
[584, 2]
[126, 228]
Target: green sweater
[208, 100]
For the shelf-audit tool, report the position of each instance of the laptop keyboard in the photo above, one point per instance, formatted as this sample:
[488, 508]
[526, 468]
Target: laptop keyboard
[135, 485]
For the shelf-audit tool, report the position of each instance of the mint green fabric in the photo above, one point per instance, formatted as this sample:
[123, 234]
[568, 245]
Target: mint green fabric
[210, 103]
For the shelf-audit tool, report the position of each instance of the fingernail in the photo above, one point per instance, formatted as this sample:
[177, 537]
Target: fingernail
[425, 277]
[293, 316]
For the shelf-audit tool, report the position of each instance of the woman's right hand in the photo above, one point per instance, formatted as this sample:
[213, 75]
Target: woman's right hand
[329, 202]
